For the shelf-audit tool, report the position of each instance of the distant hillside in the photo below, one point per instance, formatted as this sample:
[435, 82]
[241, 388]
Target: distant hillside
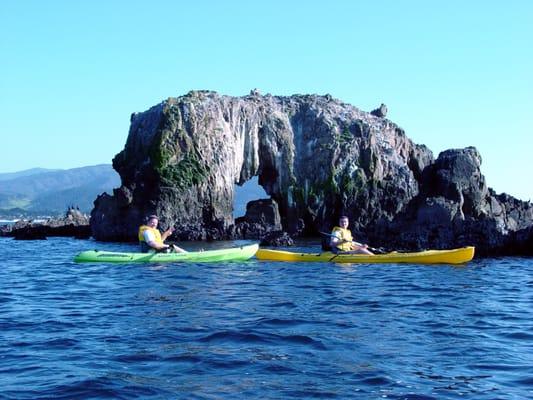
[33, 171]
[39, 191]
[51, 191]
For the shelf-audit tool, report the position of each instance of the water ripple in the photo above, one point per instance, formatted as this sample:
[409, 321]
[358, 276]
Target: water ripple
[259, 329]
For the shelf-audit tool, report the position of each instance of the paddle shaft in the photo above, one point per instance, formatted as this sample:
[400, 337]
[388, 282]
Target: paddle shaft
[352, 241]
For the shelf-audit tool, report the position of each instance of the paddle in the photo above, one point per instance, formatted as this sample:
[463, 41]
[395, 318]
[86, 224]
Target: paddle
[375, 250]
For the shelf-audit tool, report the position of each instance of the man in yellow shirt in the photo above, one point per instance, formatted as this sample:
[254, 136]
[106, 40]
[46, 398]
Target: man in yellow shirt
[342, 241]
[152, 240]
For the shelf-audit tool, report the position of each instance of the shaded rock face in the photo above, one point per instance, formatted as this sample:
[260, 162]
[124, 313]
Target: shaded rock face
[277, 239]
[265, 212]
[318, 158]
[261, 221]
[380, 112]
[455, 208]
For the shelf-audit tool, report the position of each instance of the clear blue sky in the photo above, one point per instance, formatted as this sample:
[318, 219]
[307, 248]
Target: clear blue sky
[453, 73]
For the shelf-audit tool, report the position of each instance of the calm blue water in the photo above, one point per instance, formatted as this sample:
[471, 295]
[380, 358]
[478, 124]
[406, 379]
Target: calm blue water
[259, 330]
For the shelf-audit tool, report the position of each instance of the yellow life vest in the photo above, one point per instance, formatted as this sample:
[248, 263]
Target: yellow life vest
[345, 234]
[157, 234]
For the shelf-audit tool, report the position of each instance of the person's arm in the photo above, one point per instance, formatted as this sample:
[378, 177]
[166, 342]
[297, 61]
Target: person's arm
[167, 233]
[336, 239]
[361, 247]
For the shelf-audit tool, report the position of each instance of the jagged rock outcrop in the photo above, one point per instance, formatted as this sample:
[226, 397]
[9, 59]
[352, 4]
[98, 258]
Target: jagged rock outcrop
[381, 111]
[317, 158]
[456, 208]
[74, 224]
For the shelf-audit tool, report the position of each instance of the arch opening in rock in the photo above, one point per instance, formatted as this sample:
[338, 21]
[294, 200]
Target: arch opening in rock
[251, 190]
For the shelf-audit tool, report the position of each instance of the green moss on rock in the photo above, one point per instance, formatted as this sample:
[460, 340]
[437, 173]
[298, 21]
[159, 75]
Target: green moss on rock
[353, 184]
[160, 153]
[186, 173]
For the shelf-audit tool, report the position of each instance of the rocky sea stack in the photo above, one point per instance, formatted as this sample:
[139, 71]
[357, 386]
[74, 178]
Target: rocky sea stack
[317, 158]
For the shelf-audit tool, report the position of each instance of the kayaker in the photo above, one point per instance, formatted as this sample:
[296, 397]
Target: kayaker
[152, 240]
[342, 241]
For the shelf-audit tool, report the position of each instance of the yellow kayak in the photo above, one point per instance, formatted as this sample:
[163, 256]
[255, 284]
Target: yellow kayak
[454, 256]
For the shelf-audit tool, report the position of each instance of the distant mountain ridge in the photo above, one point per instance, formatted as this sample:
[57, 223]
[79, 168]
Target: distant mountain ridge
[41, 191]
[5, 176]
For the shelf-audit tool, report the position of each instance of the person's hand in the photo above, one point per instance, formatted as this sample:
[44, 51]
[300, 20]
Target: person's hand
[170, 230]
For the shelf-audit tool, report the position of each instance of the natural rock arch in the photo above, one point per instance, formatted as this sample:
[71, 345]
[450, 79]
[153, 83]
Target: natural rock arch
[314, 155]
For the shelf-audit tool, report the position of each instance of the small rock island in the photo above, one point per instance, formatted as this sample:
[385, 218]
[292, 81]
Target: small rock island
[317, 158]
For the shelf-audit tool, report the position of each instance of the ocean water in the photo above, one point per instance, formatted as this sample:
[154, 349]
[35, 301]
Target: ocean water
[260, 330]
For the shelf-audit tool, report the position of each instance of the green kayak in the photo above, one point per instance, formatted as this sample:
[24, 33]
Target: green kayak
[233, 254]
